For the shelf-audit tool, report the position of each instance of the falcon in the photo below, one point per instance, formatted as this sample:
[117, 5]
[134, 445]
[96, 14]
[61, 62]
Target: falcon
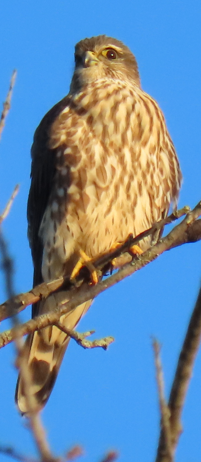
[103, 167]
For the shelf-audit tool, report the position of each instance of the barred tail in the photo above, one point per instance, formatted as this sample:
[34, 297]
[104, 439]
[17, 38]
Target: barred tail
[44, 351]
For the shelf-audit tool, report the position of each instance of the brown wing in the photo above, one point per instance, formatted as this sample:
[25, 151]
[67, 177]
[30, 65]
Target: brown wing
[42, 177]
[44, 352]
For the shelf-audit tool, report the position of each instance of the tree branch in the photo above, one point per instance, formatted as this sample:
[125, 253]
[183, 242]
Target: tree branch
[78, 295]
[119, 257]
[189, 230]
[164, 409]
[181, 381]
[33, 417]
[80, 338]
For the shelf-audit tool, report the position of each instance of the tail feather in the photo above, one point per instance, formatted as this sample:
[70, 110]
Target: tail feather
[44, 351]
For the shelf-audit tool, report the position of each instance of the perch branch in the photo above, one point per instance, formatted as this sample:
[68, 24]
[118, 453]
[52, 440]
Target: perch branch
[121, 256]
[79, 295]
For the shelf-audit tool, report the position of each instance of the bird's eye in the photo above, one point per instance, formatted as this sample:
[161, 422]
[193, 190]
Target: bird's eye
[109, 53]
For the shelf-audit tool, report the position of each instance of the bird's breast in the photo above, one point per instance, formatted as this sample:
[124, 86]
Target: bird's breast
[113, 175]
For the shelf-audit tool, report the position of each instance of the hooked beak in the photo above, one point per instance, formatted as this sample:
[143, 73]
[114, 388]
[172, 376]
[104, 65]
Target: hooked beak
[90, 59]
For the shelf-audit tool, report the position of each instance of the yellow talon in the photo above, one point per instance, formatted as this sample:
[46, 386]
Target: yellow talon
[77, 268]
[115, 246]
[85, 261]
[135, 250]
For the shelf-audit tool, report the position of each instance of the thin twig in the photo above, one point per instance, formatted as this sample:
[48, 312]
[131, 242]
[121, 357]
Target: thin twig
[6, 105]
[181, 380]
[164, 410]
[81, 338]
[9, 204]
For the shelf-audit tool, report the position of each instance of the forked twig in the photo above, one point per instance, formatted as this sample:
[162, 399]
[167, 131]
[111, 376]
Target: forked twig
[81, 338]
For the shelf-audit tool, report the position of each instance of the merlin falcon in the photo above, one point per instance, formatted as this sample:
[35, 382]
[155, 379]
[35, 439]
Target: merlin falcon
[103, 167]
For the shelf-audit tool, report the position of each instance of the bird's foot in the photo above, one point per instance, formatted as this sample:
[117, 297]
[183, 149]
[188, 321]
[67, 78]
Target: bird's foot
[85, 261]
[135, 250]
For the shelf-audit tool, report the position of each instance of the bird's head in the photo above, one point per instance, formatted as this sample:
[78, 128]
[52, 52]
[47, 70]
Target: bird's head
[100, 57]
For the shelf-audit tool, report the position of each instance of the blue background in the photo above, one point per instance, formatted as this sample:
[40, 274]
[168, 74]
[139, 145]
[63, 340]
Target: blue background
[106, 400]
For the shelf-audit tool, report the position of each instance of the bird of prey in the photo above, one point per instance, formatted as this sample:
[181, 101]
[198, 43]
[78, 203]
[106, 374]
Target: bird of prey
[103, 167]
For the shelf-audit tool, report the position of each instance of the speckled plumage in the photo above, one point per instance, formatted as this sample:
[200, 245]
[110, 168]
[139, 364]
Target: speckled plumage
[103, 166]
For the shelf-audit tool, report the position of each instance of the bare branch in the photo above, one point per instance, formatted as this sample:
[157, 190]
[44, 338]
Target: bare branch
[6, 211]
[181, 381]
[80, 338]
[7, 262]
[164, 410]
[7, 267]
[76, 296]
[119, 257]
[33, 417]
[6, 105]
[21, 301]
[189, 230]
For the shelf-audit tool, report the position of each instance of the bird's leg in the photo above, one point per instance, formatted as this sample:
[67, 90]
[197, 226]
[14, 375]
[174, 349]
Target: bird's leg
[84, 260]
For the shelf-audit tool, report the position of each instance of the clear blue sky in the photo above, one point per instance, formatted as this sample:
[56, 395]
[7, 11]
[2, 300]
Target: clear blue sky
[106, 400]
